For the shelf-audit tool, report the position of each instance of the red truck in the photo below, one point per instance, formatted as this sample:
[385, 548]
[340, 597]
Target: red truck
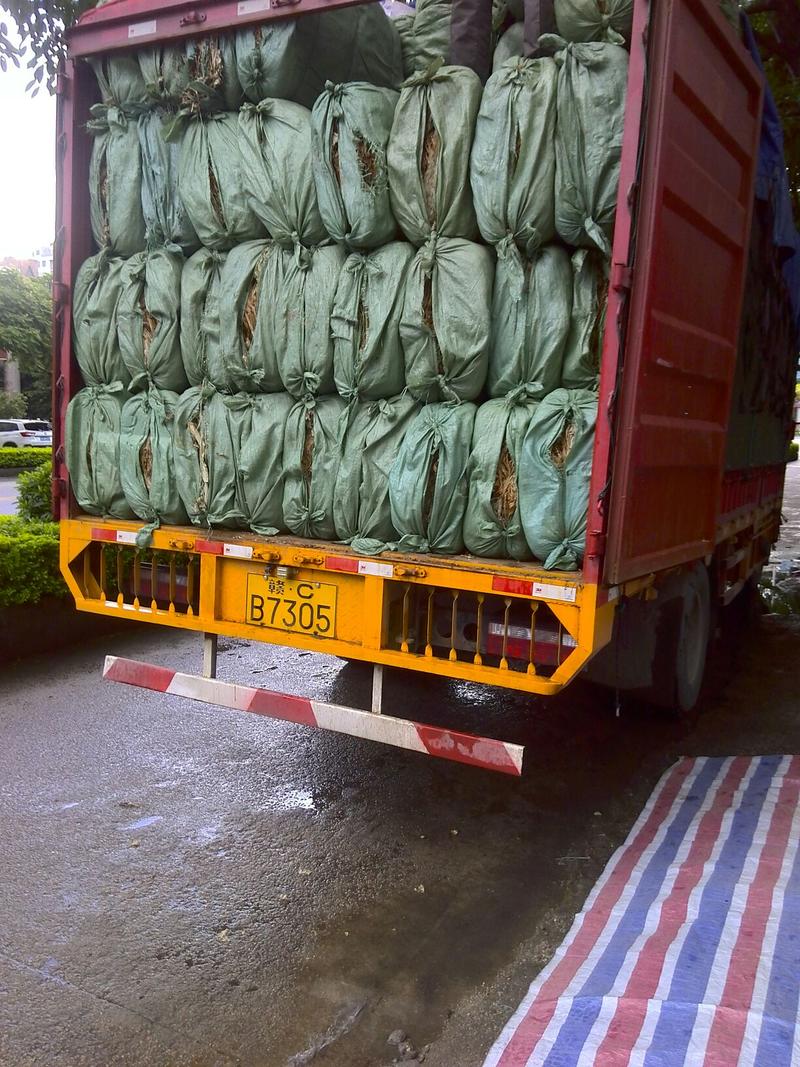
[695, 415]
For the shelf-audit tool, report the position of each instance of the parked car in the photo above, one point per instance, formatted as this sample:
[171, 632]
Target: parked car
[25, 433]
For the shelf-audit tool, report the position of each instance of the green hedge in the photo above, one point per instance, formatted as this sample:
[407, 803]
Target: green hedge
[26, 458]
[28, 561]
[794, 448]
[34, 501]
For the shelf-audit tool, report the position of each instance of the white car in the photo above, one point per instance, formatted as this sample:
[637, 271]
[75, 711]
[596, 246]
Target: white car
[25, 433]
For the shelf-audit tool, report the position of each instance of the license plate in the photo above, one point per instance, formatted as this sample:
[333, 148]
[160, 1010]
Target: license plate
[297, 606]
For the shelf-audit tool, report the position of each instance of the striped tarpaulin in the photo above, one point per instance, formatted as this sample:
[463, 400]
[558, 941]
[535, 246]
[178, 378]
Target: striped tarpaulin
[687, 951]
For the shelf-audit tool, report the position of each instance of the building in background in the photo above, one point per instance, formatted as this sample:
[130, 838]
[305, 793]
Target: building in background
[28, 267]
[41, 262]
[44, 257]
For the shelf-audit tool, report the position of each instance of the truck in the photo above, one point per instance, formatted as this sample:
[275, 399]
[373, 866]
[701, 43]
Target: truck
[695, 414]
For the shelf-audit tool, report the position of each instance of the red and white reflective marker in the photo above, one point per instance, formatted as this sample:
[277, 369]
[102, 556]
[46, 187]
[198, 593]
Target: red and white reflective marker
[486, 752]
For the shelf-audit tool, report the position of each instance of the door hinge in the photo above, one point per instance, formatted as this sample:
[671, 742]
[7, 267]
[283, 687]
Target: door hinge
[621, 277]
[595, 543]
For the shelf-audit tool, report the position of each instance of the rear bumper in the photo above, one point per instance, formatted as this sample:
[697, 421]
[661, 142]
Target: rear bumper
[495, 622]
[486, 752]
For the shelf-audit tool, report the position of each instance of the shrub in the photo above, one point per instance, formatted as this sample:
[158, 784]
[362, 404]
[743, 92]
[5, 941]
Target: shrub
[794, 448]
[35, 493]
[28, 561]
[26, 458]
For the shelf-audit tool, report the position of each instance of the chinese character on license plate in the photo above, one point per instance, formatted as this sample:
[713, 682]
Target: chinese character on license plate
[297, 606]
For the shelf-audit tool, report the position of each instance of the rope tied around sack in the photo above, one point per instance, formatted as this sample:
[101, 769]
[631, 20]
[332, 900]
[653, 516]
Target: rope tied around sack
[335, 93]
[432, 73]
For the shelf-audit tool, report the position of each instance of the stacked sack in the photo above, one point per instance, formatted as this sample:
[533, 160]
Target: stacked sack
[202, 325]
[376, 321]
[544, 173]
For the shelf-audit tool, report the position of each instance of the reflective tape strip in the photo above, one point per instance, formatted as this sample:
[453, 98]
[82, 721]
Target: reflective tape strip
[341, 563]
[212, 548]
[453, 745]
[555, 592]
[512, 585]
[121, 537]
[349, 565]
[381, 570]
[223, 548]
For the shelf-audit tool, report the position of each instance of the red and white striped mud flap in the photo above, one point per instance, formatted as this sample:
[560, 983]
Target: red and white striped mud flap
[486, 752]
[687, 952]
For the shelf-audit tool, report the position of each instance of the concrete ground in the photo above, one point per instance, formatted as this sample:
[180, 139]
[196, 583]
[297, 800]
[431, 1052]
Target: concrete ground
[8, 495]
[184, 887]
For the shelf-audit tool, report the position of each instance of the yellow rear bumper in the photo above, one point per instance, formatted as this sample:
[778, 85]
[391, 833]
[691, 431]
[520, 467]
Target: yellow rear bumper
[389, 610]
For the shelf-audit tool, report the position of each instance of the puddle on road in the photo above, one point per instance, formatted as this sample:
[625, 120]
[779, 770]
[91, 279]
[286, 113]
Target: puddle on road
[140, 824]
[286, 799]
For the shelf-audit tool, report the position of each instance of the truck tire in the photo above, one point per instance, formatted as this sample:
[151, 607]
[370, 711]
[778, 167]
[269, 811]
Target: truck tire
[683, 630]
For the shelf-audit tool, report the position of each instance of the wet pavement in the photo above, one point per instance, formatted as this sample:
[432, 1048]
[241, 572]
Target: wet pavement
[188, 887]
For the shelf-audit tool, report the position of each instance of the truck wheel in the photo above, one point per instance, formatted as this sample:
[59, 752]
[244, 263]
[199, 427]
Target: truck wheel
[683, 632]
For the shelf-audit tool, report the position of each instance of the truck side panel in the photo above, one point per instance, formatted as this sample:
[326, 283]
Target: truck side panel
[696, 193]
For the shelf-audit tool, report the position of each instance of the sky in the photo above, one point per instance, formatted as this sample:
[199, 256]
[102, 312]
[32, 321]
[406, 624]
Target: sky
[27, 170]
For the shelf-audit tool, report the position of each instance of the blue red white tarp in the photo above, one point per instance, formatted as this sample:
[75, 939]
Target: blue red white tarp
[687, 952]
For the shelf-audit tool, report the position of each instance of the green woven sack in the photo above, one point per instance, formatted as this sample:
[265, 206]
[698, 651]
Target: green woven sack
[256, 427]
[492, 523]
[311, 457]
[275, 142]
[120, 81]
[303, 303]
[200, 341]
[247, 357]
[553, 475]
[211, 182]
[431, 31]
[428, 481]
[368, 361]
[147, 461]
[595, 20]
[408, 46]
[148, 320]
[91, 440]
[531, 310]
[428, 155]
[446, 320]
[513, 162]
[165, 218]
[293, 58]
[204, 459]
[588, 319]
[592, 80]
[115, 182]
[200, 75]
[371, 441]
[165, 72]
[510, 46]
[95, 303]
[350, 127]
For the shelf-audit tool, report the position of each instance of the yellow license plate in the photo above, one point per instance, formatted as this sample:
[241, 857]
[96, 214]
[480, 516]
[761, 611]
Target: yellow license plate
[285, 604]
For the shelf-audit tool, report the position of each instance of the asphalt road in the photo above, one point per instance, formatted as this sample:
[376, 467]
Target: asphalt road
[8, 495]
[181, 887]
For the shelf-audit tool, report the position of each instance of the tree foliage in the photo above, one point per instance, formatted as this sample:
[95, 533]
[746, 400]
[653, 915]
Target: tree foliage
[41, 27]
[13, 406]
[777, 28]
[26, 306]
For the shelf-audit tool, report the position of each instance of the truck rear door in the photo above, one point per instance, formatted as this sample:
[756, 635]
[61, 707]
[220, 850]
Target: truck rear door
[695, 199]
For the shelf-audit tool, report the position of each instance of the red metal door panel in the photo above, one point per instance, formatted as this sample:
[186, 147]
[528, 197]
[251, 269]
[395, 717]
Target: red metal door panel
[696, 191]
